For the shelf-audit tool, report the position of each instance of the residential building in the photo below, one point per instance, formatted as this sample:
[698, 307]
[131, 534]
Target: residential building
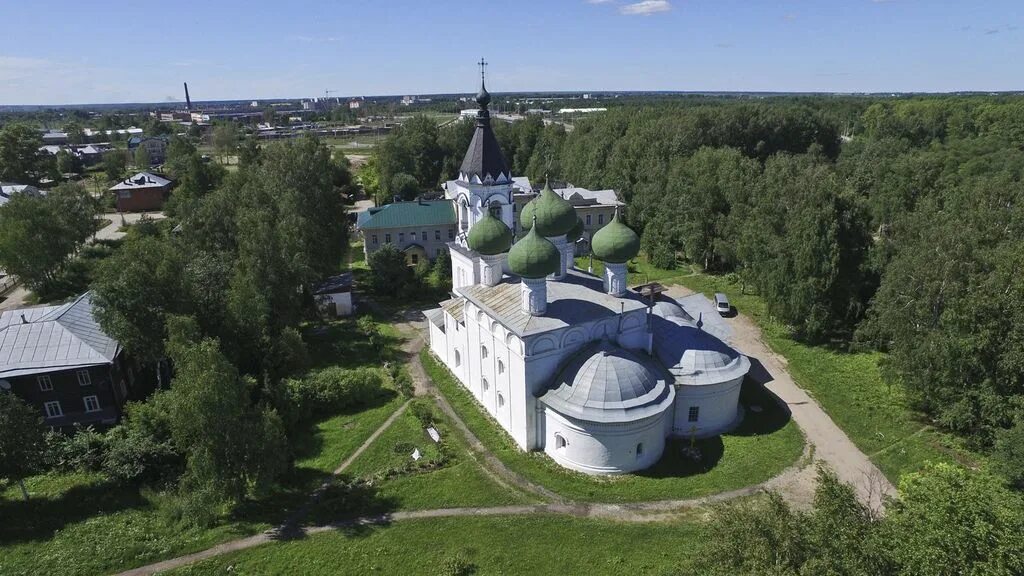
[8, 189]
[421, 229]
[59, 360]
[143, 191]
[156, 146]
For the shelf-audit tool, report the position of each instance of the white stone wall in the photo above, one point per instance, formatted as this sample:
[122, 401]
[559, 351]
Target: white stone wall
[595, 448]
[718, 404]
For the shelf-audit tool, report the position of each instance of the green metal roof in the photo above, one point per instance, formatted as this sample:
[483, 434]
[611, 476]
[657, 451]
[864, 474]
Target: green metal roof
[534, 256]
[616, 242]
[489, 236]
[408, 215]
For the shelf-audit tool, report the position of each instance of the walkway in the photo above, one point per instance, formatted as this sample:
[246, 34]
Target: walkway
[831, 444]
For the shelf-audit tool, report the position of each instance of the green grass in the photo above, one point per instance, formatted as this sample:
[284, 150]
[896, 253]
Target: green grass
[536, 545]
[80, 524]
[764, 445]
[332, 440]
[459, 482]
[849, 386]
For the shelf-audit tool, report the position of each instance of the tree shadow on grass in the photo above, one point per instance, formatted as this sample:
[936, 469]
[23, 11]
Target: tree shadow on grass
[345, 505]
[41, 516]
[308, 441]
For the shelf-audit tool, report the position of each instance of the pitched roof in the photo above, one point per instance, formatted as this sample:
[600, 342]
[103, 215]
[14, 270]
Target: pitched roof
[583, 197]
[52, 338]
[140, 181]
[407, 214]
[483, 157]
[578, 298]
[8, 189]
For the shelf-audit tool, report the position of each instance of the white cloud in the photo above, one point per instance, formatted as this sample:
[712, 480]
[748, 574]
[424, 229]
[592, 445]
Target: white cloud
[646, 8]
[600, 1]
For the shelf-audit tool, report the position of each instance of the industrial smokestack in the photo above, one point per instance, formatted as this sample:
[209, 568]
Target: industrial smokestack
[188, 101]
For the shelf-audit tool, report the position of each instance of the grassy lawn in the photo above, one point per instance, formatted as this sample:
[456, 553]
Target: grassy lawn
[85, 524]
[81, 524]
[535, 545]
[764, 445]
[849, 387]
[457, 480]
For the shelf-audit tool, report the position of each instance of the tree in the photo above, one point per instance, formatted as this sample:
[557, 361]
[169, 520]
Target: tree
[21, 439]
[949, 520]
[232, 448]
[249, 152]
[115, 164]
[269, 115]
[1009, 454]
[68, 163]
[404, 186]
[76, 135]
[135, 290]
[38, 234]
[389, 272]
[141, 158]
[21, 161]
[225, 140]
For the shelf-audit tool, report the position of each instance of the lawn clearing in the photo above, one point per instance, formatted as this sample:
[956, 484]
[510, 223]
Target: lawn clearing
[536, 545]
[762, 447]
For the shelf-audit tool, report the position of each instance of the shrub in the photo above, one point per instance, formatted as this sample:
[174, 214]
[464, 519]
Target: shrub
[404, 384]
[1009, 454]
[140, 449]
[335, 389]
[423, 411]
[82, 451]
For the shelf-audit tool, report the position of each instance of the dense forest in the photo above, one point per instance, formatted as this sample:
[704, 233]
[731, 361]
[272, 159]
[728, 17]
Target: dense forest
[890, 224]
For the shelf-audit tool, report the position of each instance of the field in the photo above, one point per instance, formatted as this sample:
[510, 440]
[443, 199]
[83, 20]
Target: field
[763, 446]
[536, 545]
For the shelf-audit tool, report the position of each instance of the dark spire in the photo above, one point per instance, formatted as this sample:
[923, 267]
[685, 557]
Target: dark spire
[484, 158]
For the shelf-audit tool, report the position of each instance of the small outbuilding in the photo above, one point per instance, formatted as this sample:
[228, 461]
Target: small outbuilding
[143, 191]
[334, 295]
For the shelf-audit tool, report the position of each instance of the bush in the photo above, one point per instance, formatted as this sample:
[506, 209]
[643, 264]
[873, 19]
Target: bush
[140, 449]
[457, 565]
[423, 410]
[336, 389]
[404, 384]
[82, 451]
[1009, 454]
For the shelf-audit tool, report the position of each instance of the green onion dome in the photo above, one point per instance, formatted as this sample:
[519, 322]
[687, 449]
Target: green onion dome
[489, 236]
[534, 256]
[616, 242]
[555, 215]
[577, 231]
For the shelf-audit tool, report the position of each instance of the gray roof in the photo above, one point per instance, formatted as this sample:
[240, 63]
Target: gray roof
[667, 308]
[577, 299]
[8, 189]
[435, 316]
[334, 284]
[583, 197]
[483, 157]
[694, 356]
[52, 338]
[454, 307]
[140, 181]
[606, 383]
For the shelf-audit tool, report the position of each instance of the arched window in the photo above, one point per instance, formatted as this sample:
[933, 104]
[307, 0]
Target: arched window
[501, 400]
[639, 450]
[484, 384]
[483, 352]
[559, 441]
[495, 209]
[458, 359]
[464, 218]
[501, 367]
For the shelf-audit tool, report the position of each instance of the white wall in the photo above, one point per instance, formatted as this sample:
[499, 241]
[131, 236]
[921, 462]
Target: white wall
[595, 448]
[719, 408]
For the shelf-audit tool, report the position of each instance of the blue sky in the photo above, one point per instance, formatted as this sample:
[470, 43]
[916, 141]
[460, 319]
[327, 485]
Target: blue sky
[56, 52]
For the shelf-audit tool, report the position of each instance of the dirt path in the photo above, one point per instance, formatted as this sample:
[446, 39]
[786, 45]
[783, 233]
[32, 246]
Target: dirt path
[831, 444]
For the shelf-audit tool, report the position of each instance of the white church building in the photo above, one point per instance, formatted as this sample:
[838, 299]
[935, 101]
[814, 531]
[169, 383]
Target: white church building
[581, 367]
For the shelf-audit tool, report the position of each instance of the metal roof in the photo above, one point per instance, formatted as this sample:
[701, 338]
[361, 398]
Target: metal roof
[606, 383]
[483, 157]
[407, 215]
[8, 189]
[583, 197]
[694, 356]
[334, 284]
[52, 338]
[577, 299]
[140, 181]
[454, 308]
